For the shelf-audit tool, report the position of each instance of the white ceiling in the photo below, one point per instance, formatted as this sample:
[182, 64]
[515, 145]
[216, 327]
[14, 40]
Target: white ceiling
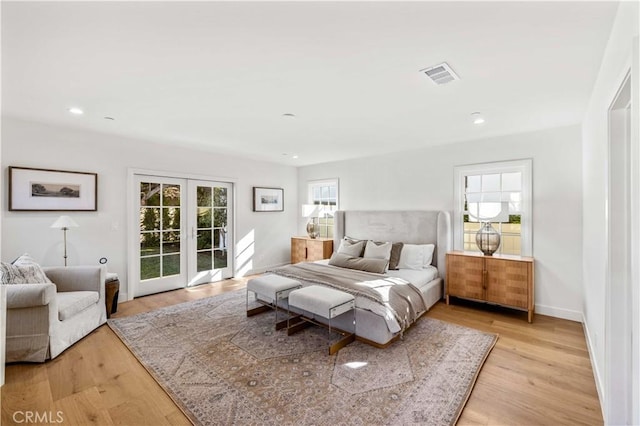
[219, 75]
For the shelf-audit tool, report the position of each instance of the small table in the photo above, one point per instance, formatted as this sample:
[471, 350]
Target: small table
[327, 303]
[111, 292]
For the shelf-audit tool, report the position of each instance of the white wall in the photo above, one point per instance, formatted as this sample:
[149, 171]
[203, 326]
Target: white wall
[38, 145]
[423, 179]
[615, 65]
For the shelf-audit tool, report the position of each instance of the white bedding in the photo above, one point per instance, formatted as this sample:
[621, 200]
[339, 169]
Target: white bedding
[419, 278]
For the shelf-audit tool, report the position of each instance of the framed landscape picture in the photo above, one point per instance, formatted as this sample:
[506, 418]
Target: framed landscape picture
[52, 190]
[268, 199]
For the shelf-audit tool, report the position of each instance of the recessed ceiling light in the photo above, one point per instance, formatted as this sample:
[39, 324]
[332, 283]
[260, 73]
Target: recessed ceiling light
[477, 118]
[76, 111]
[289, 115]
[295, 156]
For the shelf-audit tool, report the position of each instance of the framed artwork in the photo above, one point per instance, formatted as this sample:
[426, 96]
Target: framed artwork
[52, 190]
[268, 199]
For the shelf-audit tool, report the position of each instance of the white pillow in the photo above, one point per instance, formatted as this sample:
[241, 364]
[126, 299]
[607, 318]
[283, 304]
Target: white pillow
[416, 256]
[351, 249]
[411, 257]
[378, 251]
[428, 254]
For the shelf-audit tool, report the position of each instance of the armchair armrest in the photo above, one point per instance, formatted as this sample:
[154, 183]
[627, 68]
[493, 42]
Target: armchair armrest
[30, 295]
[77, 278]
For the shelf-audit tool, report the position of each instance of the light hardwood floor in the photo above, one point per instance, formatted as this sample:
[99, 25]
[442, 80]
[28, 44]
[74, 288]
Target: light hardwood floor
[537, 374]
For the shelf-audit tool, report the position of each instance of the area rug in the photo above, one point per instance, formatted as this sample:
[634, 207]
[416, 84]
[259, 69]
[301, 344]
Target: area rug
[221, 367]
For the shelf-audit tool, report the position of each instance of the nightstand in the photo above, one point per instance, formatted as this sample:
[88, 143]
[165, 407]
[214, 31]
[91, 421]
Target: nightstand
[305, 249]
[499, 279]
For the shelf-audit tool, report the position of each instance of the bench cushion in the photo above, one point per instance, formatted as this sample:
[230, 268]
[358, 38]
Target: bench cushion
[321, 300]
[270, 284]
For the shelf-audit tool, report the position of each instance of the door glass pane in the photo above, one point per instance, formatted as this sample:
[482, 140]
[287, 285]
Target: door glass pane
[170, 242]
[171, 195]
[204, 240]
[216, 238]
[149, 243]
[149, 267]
[203, 194]
[149, 194]
[171, 218]
[220, 259]
[204, 261]
[220, 218]
[170, 265]
[149, 219]
[204, 217]
[220, 197]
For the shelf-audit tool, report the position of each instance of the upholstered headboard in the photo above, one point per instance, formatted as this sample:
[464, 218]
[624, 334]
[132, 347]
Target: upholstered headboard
[412, 227]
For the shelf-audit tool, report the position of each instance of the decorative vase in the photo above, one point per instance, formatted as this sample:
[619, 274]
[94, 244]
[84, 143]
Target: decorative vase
[313, 228]
[487, 239]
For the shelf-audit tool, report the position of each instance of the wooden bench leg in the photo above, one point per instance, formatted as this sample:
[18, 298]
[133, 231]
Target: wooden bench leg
[257, 310]
[296, 324]
[282, 324]
[342, 343]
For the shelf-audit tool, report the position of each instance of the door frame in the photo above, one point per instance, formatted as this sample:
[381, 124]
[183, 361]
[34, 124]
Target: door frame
[132, 225]
[621, 273]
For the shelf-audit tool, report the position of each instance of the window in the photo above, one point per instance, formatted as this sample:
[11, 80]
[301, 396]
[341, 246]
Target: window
[499, 193]
[325, 193]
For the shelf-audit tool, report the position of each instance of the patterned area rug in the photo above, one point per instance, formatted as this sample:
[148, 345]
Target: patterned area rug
[221, 367]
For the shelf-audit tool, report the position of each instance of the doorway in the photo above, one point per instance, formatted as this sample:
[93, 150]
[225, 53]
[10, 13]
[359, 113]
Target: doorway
[182, 230]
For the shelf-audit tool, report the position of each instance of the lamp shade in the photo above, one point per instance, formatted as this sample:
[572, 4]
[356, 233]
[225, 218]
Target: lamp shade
[311, 210]
[64, 222]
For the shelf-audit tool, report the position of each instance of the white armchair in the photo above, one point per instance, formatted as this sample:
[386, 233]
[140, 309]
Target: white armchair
[45, 319]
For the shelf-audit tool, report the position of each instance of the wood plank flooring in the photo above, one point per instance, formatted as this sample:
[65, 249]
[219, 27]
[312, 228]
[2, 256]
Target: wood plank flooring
[537, 374]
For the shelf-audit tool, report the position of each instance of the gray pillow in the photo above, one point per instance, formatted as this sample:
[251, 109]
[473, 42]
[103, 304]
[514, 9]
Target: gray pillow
[396, 249]
[378, 266]
[351, 248]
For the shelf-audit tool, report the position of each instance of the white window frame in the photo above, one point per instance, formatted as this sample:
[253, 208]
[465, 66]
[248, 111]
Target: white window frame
[525, 167]
[323, 182]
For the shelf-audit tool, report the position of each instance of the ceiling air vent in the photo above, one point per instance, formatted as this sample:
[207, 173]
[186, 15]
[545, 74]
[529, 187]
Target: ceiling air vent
[440, 74]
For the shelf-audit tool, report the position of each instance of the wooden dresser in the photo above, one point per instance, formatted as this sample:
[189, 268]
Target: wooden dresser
[500, 279]
[305, 249]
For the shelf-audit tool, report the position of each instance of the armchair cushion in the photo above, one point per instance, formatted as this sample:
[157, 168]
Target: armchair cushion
[71, 303]
[30, 295]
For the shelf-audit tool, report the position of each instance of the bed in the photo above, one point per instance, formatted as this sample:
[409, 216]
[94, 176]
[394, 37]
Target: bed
[378, 321]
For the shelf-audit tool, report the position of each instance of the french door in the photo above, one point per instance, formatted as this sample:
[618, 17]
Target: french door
[184, 228]
[210, 226]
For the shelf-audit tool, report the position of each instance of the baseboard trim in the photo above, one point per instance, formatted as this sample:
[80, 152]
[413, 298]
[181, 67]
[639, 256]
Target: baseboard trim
[256, 271]
[567, 314]
[594, 366]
